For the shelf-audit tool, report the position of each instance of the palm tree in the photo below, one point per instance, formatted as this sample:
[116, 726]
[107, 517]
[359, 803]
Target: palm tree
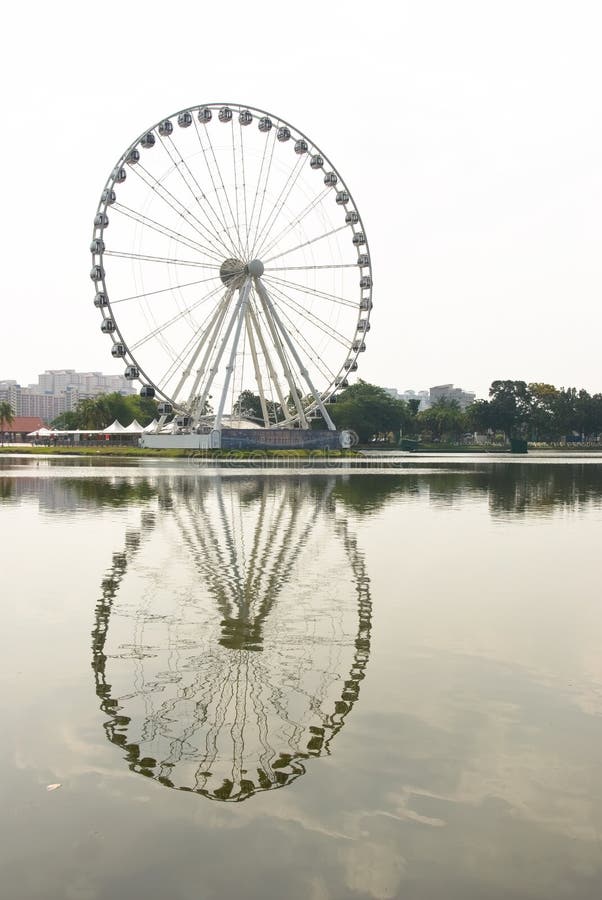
[93, 412]
[7, 417]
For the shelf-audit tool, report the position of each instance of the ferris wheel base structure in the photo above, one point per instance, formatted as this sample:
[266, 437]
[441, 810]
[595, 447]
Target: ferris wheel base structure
[251, 439]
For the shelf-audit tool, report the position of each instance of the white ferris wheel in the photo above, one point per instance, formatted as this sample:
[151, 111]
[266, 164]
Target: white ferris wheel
[230, 261]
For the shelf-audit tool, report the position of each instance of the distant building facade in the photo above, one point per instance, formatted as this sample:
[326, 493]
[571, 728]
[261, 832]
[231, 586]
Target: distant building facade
[449, 392]
[421, 396]
[59, 391]
[428, 398]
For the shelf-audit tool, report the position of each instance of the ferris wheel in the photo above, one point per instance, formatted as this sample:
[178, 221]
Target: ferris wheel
[232, 270]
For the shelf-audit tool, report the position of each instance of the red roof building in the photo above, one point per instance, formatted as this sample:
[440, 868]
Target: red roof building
[20, 427]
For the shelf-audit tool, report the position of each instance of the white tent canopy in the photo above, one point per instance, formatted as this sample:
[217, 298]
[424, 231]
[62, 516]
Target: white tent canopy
[41, 432]
[151, 428]
[115, 428]
[134, 427]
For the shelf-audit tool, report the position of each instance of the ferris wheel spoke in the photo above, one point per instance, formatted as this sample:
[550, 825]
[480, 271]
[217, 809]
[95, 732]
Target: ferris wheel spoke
[274, 212]
[320, 237]
[257, 186]
[153, 225]
[310, 317]
[160, 259]
[235, 242]
[176, 205]
[235, 168]
[259, 190]
[226, 195]
[297, 220]
[172, 321]
[216, 226]
[244, 188]
[310, 268]
[221, 228]
[305, 289]
[164, 290]
[325, 372]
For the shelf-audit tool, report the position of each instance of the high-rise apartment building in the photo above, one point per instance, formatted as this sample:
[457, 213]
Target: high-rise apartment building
[449, 392]
[59, 390]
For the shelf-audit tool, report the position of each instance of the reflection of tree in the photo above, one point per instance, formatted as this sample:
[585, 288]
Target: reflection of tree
[7, 488]
[521, 489]
[512, 488]
[66, 495]
[542, 488]
[239, 634]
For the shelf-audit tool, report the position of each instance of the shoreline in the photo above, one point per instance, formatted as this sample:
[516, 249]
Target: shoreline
[360, 458]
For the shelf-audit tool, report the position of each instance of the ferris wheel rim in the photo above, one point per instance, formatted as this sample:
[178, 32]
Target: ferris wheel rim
[127, 353]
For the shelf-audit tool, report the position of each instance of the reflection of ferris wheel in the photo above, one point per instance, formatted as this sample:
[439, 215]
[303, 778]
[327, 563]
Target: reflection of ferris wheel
[225, 684]
[229, 257]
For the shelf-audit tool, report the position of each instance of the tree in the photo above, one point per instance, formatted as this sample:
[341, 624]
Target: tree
[7, 416]
[478, 416]
[369, 410]
[413, 406]
[98, 412]
[543, 398]
[66, 421]
[510, 405]
[93, 412]
[444, 420]
[248, 406]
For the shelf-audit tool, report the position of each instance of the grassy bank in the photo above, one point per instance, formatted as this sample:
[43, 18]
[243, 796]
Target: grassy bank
[424, 447]
[173, 453]
[437, 448]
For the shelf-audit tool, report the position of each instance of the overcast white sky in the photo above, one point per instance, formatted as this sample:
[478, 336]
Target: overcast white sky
[469, 132]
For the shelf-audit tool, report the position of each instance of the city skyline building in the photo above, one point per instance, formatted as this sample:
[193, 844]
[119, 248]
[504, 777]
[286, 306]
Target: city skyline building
[431, 396]
[59, 390]
[449, 392]
[421, 396]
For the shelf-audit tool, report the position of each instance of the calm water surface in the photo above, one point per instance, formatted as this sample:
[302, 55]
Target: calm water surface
[300, 684]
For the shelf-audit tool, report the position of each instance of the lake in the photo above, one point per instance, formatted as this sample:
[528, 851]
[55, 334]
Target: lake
[313, 684]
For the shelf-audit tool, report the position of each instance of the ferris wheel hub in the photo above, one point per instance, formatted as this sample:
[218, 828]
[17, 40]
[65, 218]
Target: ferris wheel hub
[255, 268]
[232, 272]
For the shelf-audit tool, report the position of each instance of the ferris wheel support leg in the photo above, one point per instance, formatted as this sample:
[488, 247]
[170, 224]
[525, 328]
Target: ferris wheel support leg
[303, 369]
[258, 378]
[268, 360]
[197, 351]
[268, 310]
[241, 308]
[214, 368]
[215, 328]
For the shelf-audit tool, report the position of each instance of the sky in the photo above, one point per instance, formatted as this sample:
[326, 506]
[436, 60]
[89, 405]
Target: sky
[470, 134]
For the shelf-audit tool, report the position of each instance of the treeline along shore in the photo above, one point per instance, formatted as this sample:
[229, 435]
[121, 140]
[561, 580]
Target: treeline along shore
[535, 412]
